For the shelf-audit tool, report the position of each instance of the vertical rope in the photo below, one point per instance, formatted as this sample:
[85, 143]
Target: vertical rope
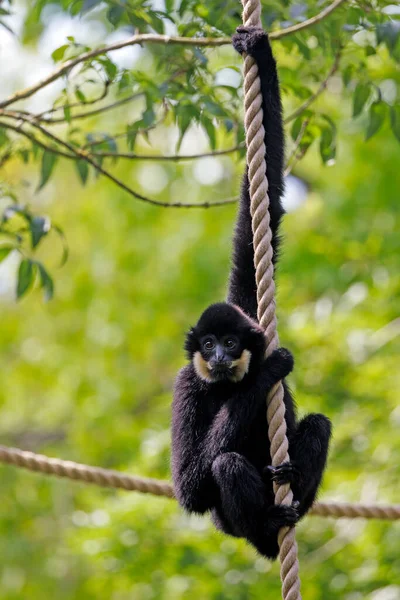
[262, 236]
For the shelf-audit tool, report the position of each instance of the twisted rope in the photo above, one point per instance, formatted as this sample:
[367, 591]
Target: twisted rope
[115, 479]
[262, 236]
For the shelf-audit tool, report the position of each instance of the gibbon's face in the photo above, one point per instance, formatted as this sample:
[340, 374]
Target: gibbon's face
[221, 358]
[223, 343]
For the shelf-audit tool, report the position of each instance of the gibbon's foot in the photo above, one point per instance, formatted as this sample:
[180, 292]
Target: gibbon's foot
[287, 472]
[280, 363]
[265, 539]
[281, 515]
[249, 39]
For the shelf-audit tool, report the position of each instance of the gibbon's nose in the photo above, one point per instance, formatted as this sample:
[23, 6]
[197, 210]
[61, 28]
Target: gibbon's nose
[219, 358]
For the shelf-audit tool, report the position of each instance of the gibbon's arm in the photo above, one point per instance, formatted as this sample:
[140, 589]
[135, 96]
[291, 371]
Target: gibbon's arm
[231, 425]
[191, 463]
[242, 284]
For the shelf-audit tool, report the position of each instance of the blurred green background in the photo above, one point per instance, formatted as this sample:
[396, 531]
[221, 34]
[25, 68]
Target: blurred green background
[88, 376]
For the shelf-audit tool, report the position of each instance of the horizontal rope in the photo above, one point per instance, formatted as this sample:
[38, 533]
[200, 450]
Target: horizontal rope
[115, 479]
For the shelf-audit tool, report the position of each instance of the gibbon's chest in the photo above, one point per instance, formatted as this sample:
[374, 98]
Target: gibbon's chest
[255, 444]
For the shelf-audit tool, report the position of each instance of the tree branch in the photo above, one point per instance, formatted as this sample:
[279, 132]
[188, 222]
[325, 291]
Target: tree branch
[300, 109]
[51, 111]
[308, 23]
[90, 113]
[77, 153]
[173, 157]
[293, 158]
[32, 138]
[150, 38]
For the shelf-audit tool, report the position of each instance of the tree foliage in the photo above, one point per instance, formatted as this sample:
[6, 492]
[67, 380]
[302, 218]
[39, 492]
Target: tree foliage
[189, 83]
[89, 375]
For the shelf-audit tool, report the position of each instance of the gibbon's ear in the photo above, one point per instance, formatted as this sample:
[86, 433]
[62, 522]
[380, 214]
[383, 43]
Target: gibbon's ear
[191, 343]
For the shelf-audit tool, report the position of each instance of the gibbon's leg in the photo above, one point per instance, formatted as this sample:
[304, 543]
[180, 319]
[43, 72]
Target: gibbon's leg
[308, 450]
[245, 504]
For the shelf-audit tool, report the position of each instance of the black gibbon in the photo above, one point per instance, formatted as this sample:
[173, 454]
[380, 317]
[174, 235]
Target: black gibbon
[220, 447]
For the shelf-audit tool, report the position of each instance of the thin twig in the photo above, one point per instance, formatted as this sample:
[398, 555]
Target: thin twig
[123, 155]
[300, 109]
[150, 38]
[106, 108]
[51, 111]
[90, 113]
[308, 23]
[34, 139]
[173, 157]
[81, 154]
[293, 159]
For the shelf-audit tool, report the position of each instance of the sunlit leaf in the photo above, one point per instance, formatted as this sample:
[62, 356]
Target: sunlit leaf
[58, 54]
[39, 226]
[115, 14]
[49, 160]
[361, 95]
[26, 276]
[210, 130]
[82, 168]
[377, 114]
[46, 282]
[4, 252]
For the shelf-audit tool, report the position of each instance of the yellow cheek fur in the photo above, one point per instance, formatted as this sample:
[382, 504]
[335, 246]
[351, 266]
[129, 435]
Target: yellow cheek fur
[241, 366]
[201, 367]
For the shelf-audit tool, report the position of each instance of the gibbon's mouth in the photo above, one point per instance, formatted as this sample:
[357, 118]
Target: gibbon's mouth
[222, 371]
[228, 371]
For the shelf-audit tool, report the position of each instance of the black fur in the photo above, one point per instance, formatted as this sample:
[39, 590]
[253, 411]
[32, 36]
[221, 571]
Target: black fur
[242, 284]
[220, 448]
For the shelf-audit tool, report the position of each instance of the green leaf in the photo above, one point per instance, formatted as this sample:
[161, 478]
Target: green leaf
[115, 14]
[304, 49]
[67, 113]
[65, 253]
[4, 252]
[229, 124]
[110, 68]
[3, 137]
[395, 120]
[389, 33]
[210, 130]
[24, 154]
[25, 277]
[347, 74]
[46, 282]
[58, 54]
[296, 128]
[49, 160]
[214, 109]
[80, 95]
[148, 117]
[39, 226]
[327, 145]
[83, 170]
[184, 119]
[183, 7]
[361, 95]
[377, 114]
[89, 4]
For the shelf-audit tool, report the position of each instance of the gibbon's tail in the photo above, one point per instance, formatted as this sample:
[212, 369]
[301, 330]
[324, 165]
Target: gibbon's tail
[242, 289]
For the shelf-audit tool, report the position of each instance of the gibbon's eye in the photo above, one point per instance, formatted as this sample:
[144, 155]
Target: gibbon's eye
[208, 344]
[230, 343]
